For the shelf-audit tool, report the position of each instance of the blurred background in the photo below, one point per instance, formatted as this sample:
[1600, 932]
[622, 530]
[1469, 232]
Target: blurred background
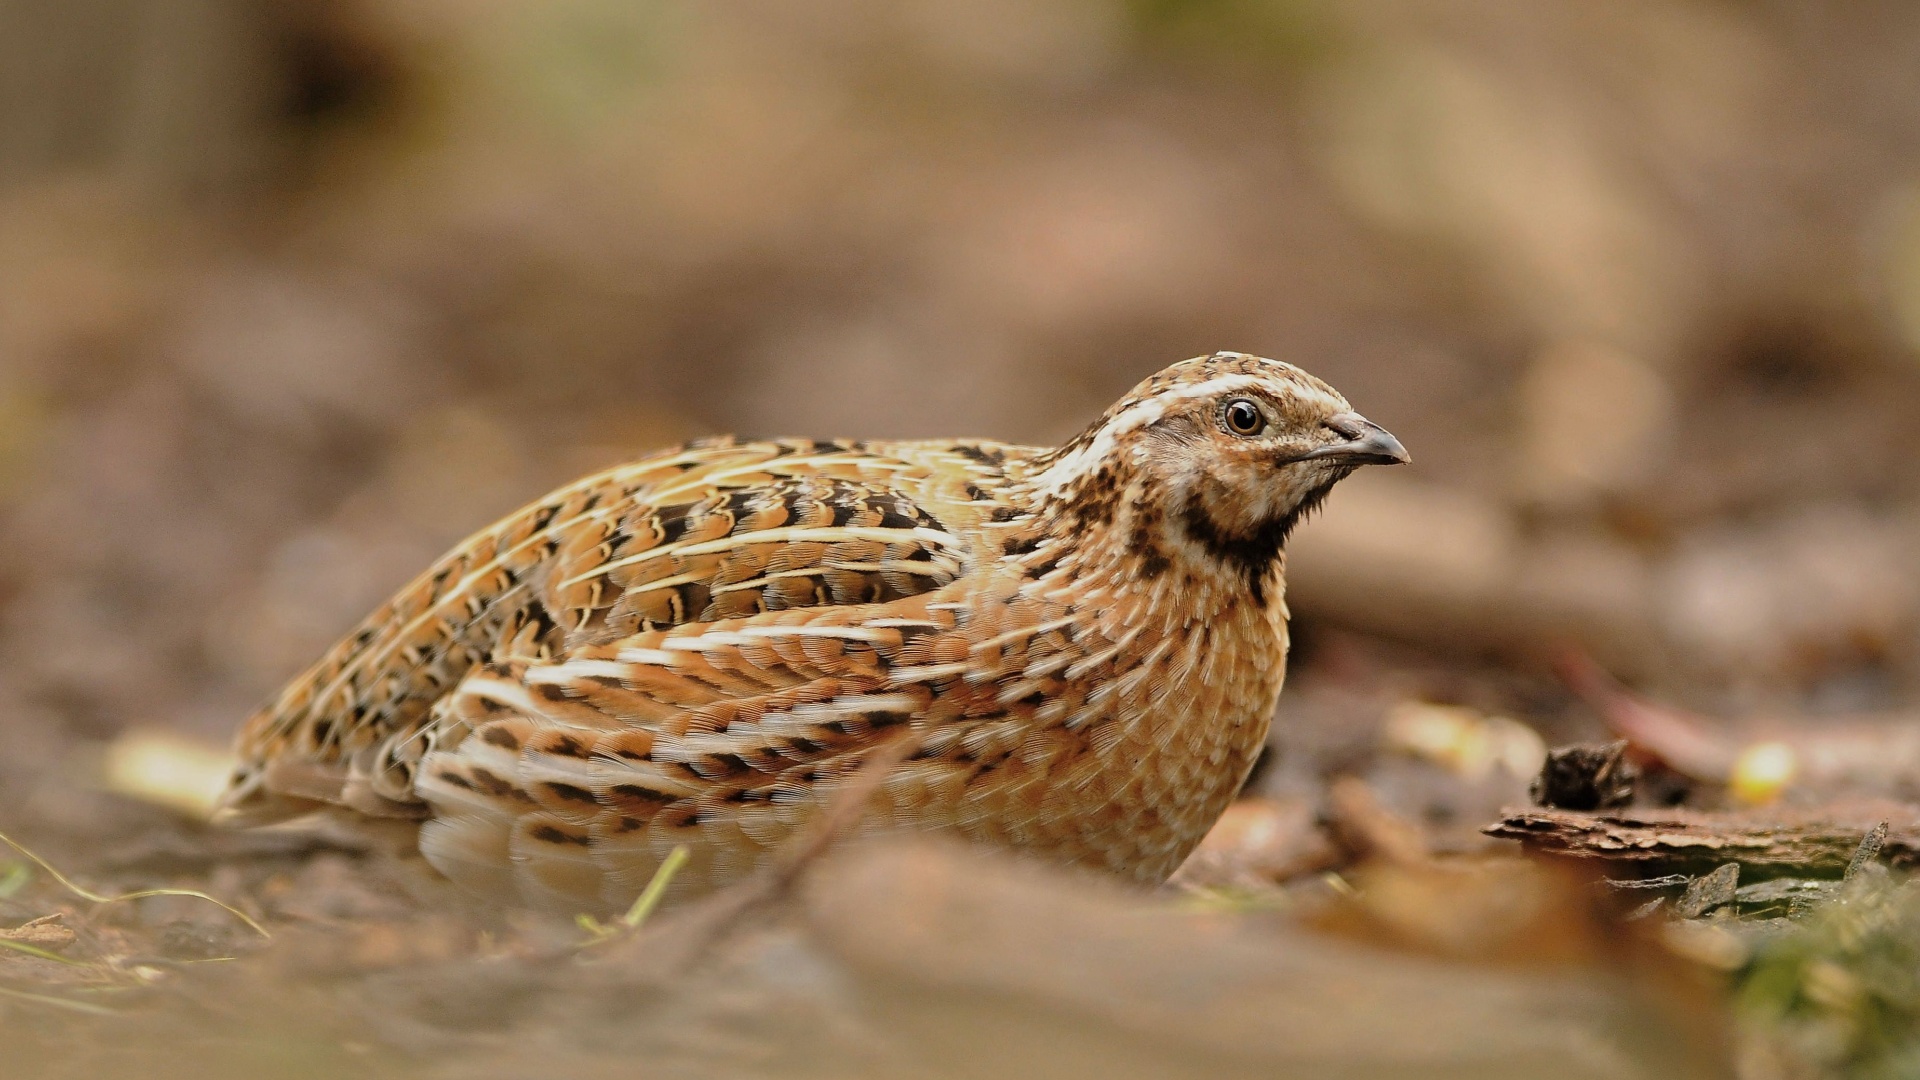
[294, 295]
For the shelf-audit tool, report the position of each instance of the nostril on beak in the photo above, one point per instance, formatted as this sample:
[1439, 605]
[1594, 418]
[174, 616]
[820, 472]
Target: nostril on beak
[1367, 443]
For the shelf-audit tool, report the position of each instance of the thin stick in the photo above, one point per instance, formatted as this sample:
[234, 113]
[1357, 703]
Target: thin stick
[844, 808]
[701, 926]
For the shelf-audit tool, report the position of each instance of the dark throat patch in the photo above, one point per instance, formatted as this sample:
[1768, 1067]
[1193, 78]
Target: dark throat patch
[1254, 554]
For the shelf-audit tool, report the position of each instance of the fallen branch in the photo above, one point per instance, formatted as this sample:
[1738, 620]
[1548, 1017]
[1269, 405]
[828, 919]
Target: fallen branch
[1816, 840]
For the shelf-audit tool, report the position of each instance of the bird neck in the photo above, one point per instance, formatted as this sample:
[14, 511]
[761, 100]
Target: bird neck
[1152, 552]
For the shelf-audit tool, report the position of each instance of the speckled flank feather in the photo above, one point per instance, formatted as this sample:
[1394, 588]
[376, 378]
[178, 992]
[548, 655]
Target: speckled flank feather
[696, 648]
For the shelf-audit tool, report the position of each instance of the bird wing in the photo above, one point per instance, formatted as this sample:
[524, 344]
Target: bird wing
[709, 533]
[570, 780]
[573, 778]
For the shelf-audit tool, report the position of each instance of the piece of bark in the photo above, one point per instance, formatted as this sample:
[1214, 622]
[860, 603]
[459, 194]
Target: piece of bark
[47, 932]
[1708, 891]
[1868, 850]
[1814, 839]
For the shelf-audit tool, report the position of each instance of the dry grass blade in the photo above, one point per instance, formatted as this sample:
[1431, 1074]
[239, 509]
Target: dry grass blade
[35, 950]
[57, 1002]
[643, 905]
[97, 898]
[649, 897]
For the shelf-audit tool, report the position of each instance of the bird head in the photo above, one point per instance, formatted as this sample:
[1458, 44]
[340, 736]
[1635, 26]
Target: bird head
[1214, 460]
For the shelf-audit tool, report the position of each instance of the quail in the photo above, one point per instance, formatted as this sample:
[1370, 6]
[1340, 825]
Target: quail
[1083, 643]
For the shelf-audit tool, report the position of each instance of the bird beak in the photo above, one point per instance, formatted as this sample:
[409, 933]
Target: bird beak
[1366, 443]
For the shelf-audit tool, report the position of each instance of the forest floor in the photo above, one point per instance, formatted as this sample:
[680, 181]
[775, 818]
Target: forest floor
[1349, 917]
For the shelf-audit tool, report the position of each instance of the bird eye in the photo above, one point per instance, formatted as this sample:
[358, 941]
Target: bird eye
[1243, 417]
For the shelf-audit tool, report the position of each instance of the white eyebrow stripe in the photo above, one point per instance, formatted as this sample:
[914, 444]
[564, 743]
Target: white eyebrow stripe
[1057, 477]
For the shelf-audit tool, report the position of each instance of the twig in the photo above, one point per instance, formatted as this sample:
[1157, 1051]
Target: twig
[1664, 881]
[683, 939]
[1674, 736]
[844, 810]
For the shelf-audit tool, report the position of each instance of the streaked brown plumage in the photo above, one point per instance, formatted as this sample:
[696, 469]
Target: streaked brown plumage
[1084, 644]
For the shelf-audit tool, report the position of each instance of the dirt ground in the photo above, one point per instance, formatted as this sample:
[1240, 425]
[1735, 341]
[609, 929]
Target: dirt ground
[292, 297]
